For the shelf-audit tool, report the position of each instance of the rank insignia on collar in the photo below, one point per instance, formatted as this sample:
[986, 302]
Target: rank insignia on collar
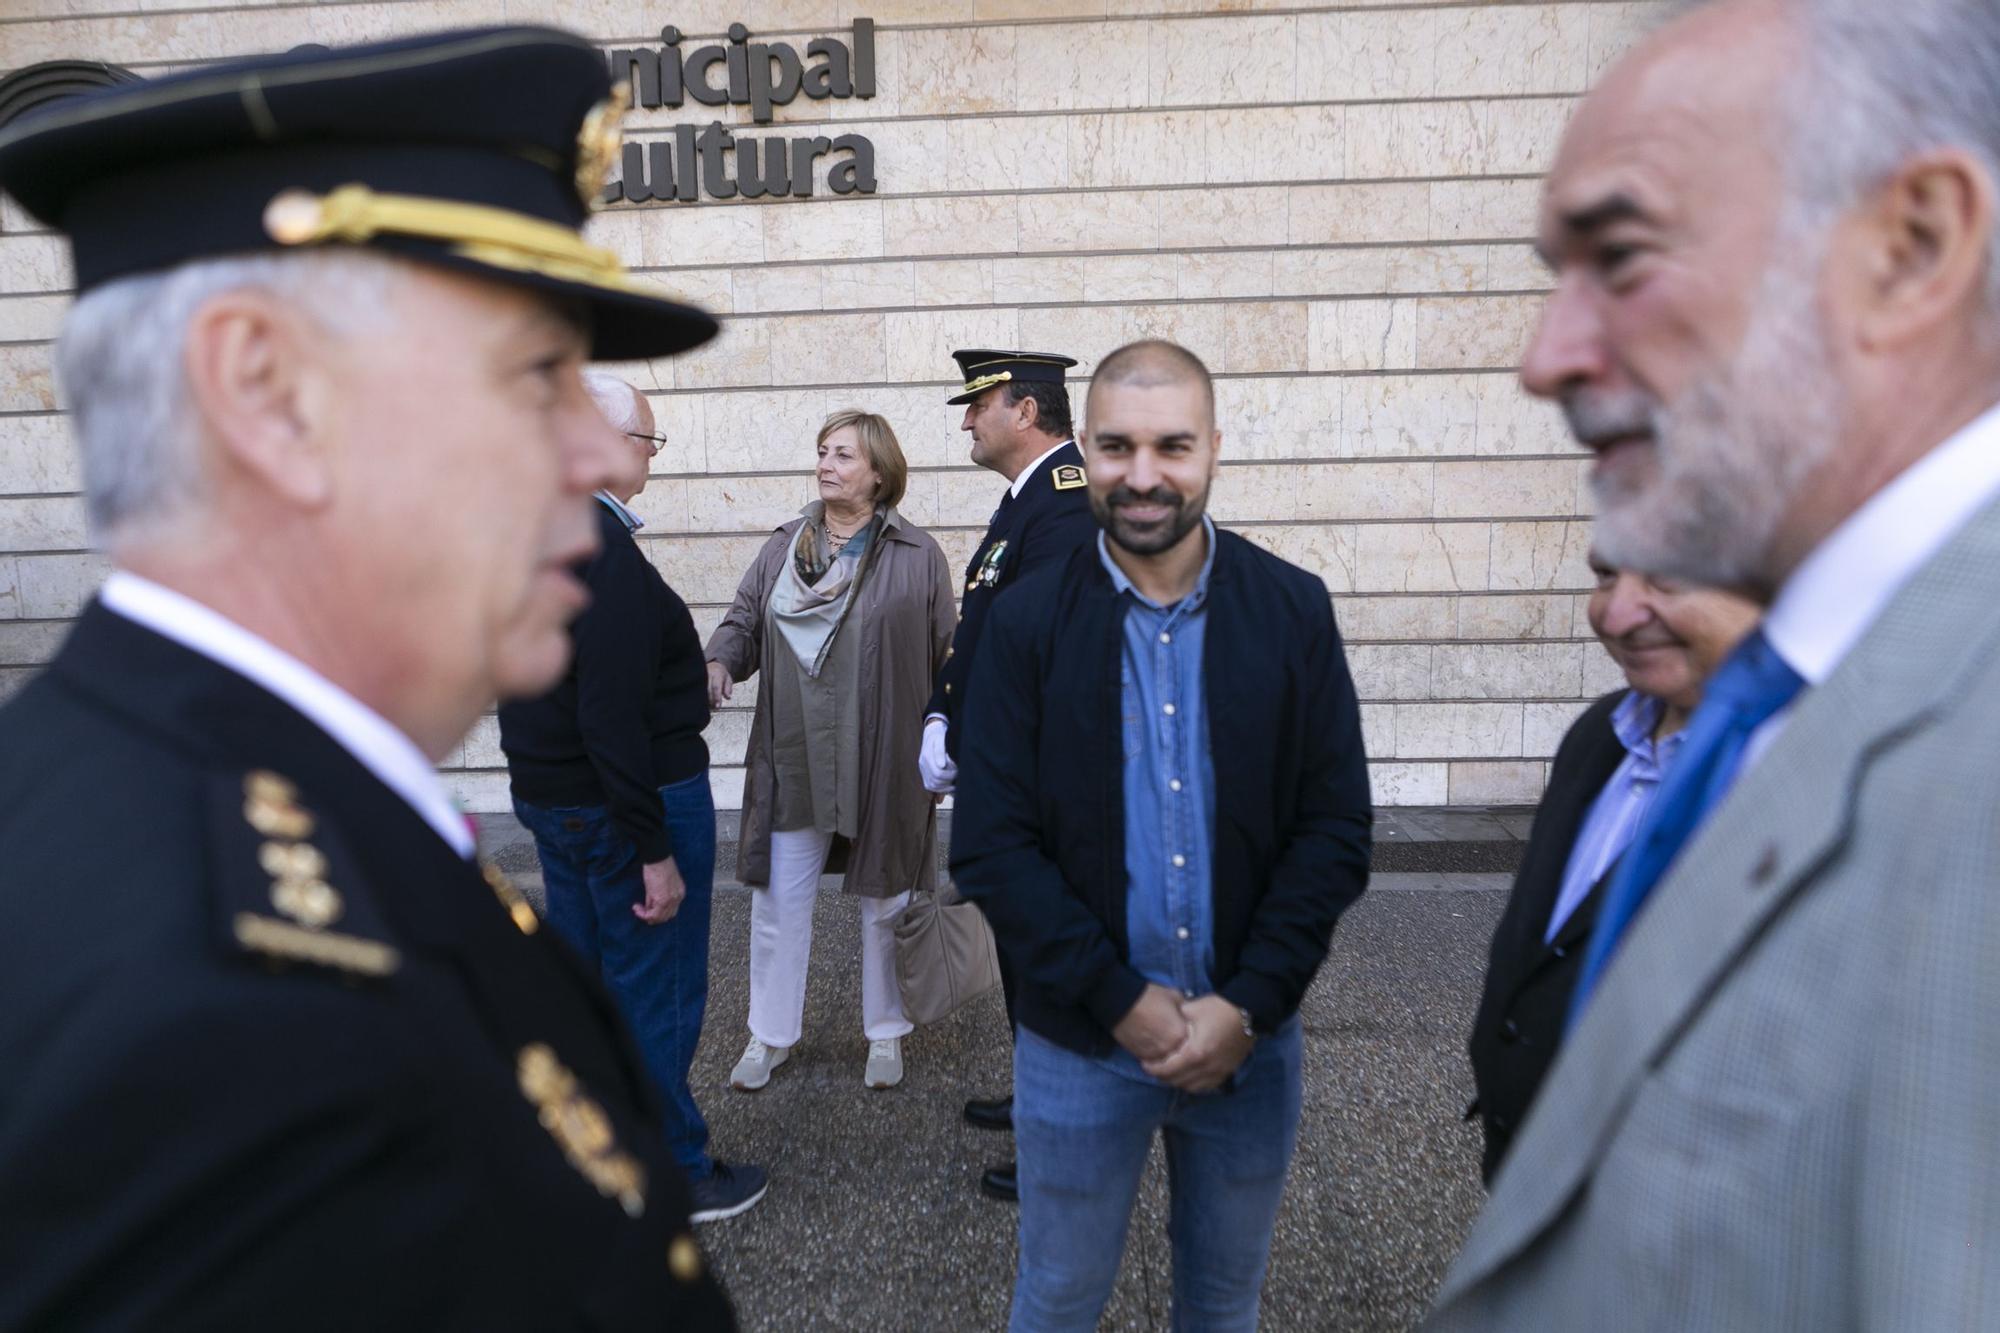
[1068, 477]
[580, 1128]
[271, 805]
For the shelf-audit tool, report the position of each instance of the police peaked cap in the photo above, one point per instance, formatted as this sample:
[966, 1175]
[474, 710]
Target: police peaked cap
[481, 151]
[984, 367]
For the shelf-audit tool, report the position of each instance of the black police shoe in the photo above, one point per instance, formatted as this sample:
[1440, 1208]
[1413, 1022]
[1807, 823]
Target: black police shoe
[997, 1113]
[1001, 1183]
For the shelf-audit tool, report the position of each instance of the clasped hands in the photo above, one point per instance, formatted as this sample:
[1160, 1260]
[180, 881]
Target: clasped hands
[1194, 1045]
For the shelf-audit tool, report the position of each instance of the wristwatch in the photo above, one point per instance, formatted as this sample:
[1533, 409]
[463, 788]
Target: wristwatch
[1249, 1028]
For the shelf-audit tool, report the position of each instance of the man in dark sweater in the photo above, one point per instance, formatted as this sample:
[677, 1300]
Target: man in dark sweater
[1166, 899]
[610, 773]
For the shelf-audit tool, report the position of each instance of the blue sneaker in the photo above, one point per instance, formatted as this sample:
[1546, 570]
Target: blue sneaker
[729, 1190]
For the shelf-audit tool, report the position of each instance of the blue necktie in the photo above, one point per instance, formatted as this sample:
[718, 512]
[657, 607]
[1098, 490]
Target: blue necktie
[1745, 691]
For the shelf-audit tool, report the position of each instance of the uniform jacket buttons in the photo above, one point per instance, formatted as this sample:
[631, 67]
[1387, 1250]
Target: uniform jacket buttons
[684, 1258]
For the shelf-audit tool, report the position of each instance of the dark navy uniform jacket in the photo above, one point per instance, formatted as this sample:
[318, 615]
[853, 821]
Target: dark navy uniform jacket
[1041, 526]
[272, 1056]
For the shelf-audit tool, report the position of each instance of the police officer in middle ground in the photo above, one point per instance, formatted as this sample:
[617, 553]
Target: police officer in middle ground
[1017, 412]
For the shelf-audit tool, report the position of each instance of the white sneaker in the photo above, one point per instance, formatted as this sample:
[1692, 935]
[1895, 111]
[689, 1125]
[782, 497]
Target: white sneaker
[885, 1063]
[753, 1071]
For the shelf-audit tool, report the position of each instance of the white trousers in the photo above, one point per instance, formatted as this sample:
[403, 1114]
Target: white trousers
[781, 917]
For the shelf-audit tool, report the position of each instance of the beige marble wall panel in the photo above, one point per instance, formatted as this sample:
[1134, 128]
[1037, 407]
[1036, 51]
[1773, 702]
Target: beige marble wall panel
[760, 431]
[1382, 270]
[10, 588]
[1378, 730]
[1279, 418]
[1408, 784]
[1221, 274]
[1322, 492]
[1265, 337]
[1391, 139]
[1230, 60]
[663, 505]
[1040, 279]
[1506, 49]
[1404, 620]
[1034, 9]
[1274, 143]
[828, 349]
[1252, 216]
[867, 286]
[957, 71]
[965, 498]
[52, 587]
[764, 288]
[481, 747]
[1390, 672]
[739, 355]
[27, 378]
[714, 290]
[1362, 335]
[1507, 488]
[696, 235]
[952, 282]
[818, 231]
[1513, 617]
[1506, 670]
[1545, 724]
[1327, 550]
[920, 342]
[37, 318]
[1135, 148]
[926, 425]
[1115, 220]
[704, 569]
[1541, 556]
[30, 642]
[38, 456]
[1483, 210]
[1516, 268]
[1455, 333]
[1404, 416]
[1350, 56]
[952, 225]
[1458, 730]
[42, 523]
[725, 505]
[1089, 332]
[1422, 557]
[1512, 422]
[1601, 675]
[1131, 278]
[1350, 214]
[1614, 29]
[1522, 136]
[1512, 783]
[1008, 153]
[35, 263]
[1071, 66]
[728, 735]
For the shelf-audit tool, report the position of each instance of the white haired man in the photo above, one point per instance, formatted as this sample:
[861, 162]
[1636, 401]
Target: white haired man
[278, 1053]
[1776, 321]
[610, 774]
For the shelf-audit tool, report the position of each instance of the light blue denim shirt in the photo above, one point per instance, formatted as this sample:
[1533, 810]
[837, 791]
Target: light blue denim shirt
[1169, 786]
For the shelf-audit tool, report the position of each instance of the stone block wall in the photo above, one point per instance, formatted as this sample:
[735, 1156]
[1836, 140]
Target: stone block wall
[1332, 204]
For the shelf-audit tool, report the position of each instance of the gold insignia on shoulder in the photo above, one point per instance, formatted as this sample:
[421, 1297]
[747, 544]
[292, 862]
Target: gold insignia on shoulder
[1068, 477]
[580, 1128]
[271, 805]
[598, 144]
[517, 904]
[296, 944]
[684, 1258]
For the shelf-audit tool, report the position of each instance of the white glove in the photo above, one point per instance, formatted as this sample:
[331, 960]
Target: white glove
[940, 773]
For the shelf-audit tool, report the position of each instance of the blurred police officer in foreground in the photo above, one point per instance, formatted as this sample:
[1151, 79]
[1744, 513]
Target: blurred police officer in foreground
[278, 1054]
[1017, 412]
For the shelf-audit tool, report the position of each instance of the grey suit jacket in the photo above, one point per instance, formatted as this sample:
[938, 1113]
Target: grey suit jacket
[1781, 1109]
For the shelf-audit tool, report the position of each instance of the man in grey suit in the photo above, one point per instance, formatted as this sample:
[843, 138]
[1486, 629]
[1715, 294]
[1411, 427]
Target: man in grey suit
[1777, 323]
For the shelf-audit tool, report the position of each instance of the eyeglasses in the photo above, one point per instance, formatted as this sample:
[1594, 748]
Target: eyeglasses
[658, 442]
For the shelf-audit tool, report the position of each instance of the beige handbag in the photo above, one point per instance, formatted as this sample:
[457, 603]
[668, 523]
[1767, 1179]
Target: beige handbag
[944, 954]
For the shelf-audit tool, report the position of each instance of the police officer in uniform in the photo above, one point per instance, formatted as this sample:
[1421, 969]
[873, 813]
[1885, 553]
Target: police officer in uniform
[278, 1053]
[1017, 412]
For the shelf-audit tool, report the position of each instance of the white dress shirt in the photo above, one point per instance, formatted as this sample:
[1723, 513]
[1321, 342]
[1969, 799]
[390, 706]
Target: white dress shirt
[1850, 578]
[361, 731]
[1027, 473]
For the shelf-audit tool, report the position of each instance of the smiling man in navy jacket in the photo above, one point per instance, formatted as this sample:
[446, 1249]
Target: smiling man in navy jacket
[1166, 900]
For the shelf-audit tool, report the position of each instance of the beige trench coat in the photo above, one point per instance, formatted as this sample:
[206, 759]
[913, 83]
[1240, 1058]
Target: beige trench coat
[905, 615]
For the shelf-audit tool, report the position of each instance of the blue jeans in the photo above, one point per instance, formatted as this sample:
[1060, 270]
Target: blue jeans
[1083, 1131]
[657, 974]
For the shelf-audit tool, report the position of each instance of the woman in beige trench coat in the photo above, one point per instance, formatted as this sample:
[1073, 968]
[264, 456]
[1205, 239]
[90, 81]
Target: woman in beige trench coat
[847, 612]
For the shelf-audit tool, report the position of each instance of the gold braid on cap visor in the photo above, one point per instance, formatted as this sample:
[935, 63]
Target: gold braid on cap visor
[985, 382]
[495, 236]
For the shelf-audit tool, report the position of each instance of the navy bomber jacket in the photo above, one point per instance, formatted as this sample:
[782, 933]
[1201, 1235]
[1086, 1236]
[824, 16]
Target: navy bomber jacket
[1038, 828]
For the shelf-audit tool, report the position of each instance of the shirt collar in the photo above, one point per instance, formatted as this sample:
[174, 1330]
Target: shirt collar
[1123, 584]
[1028, 472]
[631, 520]
[1835, 595]
[361, 731]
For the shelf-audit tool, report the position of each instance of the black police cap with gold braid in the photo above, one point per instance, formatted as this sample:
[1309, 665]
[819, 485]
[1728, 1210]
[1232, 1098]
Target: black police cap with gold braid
[481, 151]
[984, 367]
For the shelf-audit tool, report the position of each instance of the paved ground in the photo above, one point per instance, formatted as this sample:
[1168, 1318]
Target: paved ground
[874, 1221]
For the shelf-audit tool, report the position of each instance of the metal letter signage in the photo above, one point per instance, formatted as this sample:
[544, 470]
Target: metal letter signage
[717, 164]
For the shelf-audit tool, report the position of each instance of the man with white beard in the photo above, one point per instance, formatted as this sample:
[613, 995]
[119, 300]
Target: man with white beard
[1776, 321]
